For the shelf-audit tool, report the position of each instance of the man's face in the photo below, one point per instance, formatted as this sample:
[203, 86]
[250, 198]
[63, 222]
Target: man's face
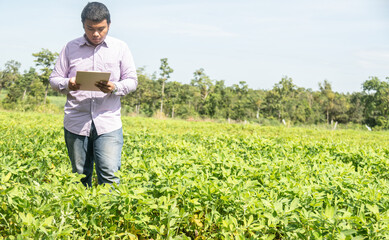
[96, 31]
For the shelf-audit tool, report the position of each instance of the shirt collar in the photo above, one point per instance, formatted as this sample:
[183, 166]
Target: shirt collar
[84, 41]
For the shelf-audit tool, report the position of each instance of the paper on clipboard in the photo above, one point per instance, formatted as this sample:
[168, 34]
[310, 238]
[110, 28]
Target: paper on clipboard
[87, 80]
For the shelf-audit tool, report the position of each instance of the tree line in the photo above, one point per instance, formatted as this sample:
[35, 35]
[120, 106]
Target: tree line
[206, 98]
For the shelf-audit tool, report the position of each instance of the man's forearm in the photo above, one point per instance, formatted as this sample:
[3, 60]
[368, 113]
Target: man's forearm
[125, 86]
[59, 84]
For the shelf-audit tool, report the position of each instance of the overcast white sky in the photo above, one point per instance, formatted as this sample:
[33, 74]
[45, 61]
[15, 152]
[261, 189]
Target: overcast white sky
[257, 41]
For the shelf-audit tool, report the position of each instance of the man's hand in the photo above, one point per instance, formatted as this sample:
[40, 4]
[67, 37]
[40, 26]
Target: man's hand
[105, 86]
[73, 85]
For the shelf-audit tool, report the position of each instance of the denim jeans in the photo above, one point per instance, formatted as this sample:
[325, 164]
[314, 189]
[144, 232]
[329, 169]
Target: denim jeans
[103, 150]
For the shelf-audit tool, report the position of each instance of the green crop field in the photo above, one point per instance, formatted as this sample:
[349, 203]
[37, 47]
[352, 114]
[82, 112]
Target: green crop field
[197, 180]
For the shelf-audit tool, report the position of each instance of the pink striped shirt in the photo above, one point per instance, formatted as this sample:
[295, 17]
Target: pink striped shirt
[83, 107]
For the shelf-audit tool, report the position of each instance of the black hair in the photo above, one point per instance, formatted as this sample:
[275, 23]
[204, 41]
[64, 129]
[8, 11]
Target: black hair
[95, 12]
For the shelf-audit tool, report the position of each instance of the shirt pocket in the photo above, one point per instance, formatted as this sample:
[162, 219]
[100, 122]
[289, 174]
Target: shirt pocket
[114, 69]
[79, 64]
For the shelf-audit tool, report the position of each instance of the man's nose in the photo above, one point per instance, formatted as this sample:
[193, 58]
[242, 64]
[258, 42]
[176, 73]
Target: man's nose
[96, 34]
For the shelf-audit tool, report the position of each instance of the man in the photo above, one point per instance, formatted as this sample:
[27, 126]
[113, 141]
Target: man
[92, 123]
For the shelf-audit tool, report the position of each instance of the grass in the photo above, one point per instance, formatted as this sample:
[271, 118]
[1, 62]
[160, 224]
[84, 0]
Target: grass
[58, 101]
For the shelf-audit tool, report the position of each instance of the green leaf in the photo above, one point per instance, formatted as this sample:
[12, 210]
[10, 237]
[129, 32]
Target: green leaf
[349, 232]
[294, 204]
[270, 237]
[6, 177]
[329, 212]
[251, 219]
[374, 209]
[162, 229]
[27, 219]
[48, 221]
[128, 216]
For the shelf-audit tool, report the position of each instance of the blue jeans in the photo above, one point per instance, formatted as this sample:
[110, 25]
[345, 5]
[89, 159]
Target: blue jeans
[104, 150]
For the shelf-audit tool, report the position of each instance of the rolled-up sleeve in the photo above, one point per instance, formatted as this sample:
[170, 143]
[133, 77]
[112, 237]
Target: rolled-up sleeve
[58, 78]
[128, 78]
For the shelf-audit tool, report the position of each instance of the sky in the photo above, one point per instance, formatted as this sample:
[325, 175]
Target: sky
[257, 41]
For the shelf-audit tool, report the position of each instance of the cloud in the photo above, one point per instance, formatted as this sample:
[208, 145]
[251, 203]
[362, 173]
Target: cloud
[182, 29]
[199, 30]
[373, 59]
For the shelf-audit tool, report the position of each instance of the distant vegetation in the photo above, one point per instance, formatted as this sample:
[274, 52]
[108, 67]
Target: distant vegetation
[205, 98]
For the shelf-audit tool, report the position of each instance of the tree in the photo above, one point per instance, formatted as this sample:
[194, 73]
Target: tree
[204, 86]
[279, 99]
[299, 108]
[27, 80]
[164, 76]
[144, 99]
[256, 101]
[188, 98]
[36, 94]
[340, 108]
[45, 59]
[356, 109]
[173, 92]
[24, 85]
[240, 104]
[376, 102]
[214, 105]
[10, 74]
[1, 80]
[202, 82]
[228, 103]
[327, 99]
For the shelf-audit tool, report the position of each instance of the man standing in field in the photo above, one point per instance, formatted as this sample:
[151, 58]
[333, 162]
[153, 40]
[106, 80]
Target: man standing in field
[92, 122]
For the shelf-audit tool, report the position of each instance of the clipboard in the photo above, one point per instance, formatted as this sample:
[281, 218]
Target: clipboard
[87, 80]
